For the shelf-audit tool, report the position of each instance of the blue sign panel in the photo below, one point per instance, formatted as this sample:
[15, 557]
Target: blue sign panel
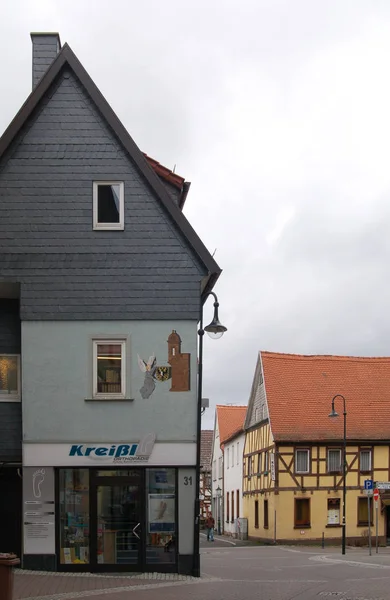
[368, 484]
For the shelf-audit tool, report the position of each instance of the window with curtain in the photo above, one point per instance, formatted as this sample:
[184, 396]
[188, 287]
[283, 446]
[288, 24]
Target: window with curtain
[334, 461]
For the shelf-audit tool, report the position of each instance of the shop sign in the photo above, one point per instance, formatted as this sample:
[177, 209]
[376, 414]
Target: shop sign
[116, 453]
[272, 466]
[38, 510]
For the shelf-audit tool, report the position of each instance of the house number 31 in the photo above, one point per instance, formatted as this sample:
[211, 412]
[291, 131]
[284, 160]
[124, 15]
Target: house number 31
[188, 480]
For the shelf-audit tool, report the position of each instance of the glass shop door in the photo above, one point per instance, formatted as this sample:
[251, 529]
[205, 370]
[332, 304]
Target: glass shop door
[117, 521]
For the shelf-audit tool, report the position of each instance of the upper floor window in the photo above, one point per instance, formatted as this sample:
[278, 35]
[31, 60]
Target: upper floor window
[302, 461]
[220, 467]
[365, 461]
[214, 470]
[9, 377]
[227, 458]
[109, 369]
[238, 452]
[334, 461]
[259, 462]
[266, 462]
[108, 205]
[233, 455]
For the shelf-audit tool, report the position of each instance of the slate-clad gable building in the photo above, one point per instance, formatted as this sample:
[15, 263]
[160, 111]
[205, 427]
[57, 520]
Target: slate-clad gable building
[98, 267]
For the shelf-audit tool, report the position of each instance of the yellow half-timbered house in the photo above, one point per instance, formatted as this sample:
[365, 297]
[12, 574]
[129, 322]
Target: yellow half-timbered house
[293, 455]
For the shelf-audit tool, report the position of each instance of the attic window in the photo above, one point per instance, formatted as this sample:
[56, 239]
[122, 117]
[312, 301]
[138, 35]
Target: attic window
[108, 205]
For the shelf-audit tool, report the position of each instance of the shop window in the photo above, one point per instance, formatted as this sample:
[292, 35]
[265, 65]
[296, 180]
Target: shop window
[333, 511]
[365, 461]
[363, 512]
[256, 514]
[302, 461]
[9, 377]
[109, 367]
[265, 514]
[74, 516]
[302, 512]
[161, 537]
[334, 461]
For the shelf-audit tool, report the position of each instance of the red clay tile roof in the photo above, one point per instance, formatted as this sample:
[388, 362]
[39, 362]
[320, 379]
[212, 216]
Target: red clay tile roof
[230, 421]
[206, 449]
[171, 177]
[299, 391]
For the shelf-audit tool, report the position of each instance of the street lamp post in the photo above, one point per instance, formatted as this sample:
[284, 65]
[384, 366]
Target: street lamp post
[333, 413]
[215, 330]
[218, 491]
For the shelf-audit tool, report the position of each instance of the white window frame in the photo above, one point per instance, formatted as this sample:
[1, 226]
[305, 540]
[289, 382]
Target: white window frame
[341, 460]
[369, 452]
[107, 341]
[227, 458]
[232, 455]
[109, 226]
[4, 396]
[238, 453]
[307, 458]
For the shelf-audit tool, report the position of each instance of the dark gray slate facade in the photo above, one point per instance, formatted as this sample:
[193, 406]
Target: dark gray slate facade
[10, 412]
[67, 270]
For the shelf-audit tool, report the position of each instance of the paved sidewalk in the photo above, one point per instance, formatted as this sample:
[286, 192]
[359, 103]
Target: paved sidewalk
[36, 585]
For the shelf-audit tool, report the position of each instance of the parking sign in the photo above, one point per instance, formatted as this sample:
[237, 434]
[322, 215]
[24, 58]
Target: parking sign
[368, 484]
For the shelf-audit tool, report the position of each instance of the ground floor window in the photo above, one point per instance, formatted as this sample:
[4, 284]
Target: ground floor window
[256, 514]
[363, 512]
[74, 516]
[265, 514]
[232, 519]
[302, 512]
[238, 503]
[227, 507]
[161, 515]
[333, 511]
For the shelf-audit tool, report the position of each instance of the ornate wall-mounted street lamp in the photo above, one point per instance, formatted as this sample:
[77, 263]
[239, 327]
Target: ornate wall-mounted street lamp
[333, 414]
[215, 330]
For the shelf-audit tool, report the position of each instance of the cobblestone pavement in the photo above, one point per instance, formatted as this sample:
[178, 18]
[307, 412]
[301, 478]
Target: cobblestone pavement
[231, 573]
[36, 585]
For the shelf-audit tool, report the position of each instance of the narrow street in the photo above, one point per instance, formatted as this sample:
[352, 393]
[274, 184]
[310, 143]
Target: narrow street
[234, 573]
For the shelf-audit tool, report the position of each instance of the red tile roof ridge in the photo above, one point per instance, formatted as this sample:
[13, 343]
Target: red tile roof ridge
[164, 172]
[229, 406]
[282, 355]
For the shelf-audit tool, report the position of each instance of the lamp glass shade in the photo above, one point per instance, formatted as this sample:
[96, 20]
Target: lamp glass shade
[333, 413]
[215, 330]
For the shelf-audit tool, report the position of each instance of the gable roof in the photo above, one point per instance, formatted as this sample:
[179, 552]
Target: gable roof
[300, 390]
[206, 449]
[230, 421]
[66, 57]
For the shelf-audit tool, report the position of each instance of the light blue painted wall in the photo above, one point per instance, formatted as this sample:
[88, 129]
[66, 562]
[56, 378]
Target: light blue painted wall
[57, 378]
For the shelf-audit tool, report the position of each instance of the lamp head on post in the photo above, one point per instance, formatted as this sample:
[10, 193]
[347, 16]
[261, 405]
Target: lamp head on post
[333, 413]
[215, 329]
[218, 492]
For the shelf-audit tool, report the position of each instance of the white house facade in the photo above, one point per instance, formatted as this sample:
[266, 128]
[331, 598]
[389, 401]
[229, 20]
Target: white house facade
[232, 479]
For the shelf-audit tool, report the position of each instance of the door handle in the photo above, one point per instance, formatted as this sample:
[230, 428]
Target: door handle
[135, 530]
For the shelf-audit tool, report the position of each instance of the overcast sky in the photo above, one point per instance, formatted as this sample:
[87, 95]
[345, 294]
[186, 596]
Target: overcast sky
[278, 112]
